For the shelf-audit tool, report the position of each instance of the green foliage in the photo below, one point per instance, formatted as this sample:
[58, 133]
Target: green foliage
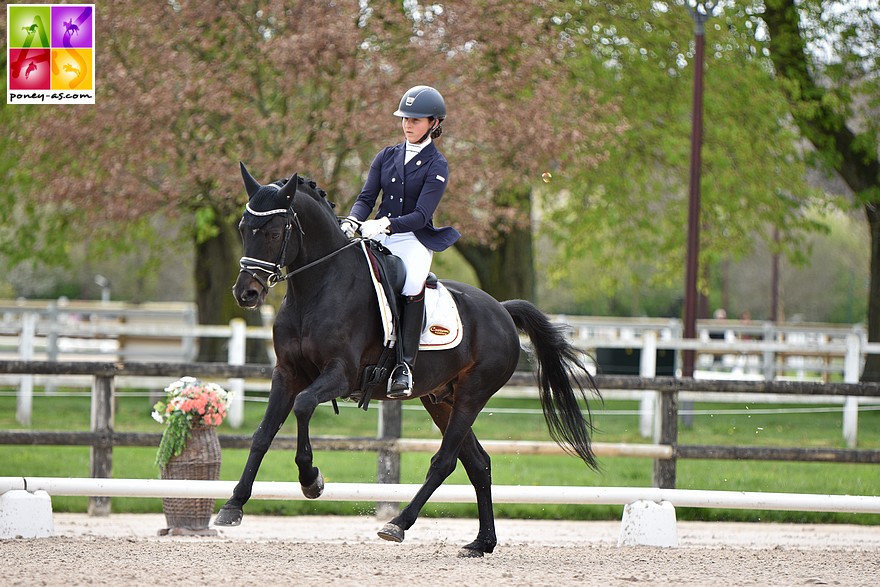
[206, 224]
[631, 210]
[178, 431]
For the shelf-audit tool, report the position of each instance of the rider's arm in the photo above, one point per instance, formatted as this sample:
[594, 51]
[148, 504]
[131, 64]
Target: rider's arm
[363, 206]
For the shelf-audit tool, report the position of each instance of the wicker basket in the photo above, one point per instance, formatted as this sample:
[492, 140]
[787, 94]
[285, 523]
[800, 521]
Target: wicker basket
[199, 460]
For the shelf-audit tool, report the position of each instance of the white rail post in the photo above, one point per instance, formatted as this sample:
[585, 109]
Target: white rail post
[852, 363]
[52, 318]
[237, 346]
[25, 404]
[649, 424]
[769, 357]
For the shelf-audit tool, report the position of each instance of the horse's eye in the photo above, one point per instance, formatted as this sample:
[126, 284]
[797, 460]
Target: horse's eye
[275, 235]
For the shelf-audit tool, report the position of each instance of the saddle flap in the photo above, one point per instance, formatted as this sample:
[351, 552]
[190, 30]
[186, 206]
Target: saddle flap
[388, 267]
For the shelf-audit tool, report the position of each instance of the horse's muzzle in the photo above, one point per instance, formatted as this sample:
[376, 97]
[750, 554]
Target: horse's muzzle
[248, 291]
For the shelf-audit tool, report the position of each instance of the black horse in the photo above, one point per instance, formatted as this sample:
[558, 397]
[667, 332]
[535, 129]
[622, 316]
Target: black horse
[328, 331]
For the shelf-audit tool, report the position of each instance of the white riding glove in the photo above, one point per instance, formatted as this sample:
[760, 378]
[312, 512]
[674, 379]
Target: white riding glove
[349, 226]
[371, 228]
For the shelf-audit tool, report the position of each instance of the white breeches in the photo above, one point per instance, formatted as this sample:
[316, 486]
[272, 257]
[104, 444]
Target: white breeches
[416, 258]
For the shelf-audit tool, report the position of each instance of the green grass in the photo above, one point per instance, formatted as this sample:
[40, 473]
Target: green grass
[616, 421]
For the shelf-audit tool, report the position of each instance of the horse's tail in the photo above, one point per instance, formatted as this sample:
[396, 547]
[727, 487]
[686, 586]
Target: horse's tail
[558, 366]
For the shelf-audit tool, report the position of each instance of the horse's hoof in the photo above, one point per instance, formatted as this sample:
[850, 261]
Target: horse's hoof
[391, 532]
[228, 517]
[314, 490]
[466, 552]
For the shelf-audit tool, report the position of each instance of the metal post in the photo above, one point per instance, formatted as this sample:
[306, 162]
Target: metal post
[700, 12]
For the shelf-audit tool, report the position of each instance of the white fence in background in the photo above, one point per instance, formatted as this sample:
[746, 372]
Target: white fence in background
[169, 333]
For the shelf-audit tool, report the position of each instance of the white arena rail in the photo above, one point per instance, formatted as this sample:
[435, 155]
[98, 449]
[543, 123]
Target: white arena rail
[449, 493]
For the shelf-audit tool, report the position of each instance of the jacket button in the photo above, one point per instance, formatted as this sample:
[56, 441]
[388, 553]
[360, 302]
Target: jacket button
[393, 179]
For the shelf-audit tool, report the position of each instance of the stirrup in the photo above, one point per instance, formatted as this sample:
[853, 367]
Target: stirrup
[400, 393]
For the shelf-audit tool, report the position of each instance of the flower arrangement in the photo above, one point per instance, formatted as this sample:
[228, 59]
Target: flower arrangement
[187, 402]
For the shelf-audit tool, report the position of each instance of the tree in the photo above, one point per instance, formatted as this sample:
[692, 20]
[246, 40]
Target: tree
[834, 101]
[187, 89]
[631, 211]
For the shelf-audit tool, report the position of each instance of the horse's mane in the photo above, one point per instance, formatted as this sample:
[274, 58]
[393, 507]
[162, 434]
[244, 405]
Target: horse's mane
[308, 186]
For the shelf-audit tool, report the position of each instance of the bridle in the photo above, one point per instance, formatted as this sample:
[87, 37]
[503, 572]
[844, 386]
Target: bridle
[275, 271]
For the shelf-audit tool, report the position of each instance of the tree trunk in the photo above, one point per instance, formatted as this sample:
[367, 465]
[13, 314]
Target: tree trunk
[506, 271]
[872, 363]
[506, 267]
[835, 142]
[216, 269]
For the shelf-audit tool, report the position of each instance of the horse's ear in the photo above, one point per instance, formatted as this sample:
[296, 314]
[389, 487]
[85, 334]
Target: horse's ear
[250, 184]
[288, 190]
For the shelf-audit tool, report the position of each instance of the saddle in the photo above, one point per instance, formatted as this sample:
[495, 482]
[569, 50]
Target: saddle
[444, 329]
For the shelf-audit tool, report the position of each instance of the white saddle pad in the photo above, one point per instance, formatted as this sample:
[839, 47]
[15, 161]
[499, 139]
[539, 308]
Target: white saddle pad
[443, 329]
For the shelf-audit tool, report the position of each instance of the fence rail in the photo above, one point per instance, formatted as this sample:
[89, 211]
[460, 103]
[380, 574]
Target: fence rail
[389, 445]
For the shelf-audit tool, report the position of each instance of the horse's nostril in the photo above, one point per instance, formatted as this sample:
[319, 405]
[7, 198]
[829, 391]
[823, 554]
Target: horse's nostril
[249, 297]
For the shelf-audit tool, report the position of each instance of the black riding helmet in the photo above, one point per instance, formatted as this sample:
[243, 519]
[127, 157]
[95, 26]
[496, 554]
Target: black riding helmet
[422, 102]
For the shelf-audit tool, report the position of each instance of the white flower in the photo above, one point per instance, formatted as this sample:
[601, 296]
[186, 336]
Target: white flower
[157, 416]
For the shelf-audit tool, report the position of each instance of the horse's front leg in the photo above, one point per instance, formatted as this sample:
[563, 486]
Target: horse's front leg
[281, 399]
[329, 385]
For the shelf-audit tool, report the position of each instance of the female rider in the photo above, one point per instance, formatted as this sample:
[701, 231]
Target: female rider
[412, 177]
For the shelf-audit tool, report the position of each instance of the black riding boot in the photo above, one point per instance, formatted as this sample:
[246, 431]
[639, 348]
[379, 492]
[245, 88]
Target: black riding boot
[408, 335]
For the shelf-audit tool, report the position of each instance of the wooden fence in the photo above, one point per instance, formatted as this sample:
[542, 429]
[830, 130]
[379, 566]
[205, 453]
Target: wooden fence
[102, 438]
[647, 347]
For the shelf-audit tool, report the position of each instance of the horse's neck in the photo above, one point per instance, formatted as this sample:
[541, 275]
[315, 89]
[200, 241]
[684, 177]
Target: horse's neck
[321, 235]
[321, 238]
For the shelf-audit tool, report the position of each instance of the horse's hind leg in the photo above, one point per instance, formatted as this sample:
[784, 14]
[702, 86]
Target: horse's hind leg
[280, 403]
[458, 442]
[478, 466]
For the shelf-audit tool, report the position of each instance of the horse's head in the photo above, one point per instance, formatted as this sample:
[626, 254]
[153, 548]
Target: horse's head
[267, 225]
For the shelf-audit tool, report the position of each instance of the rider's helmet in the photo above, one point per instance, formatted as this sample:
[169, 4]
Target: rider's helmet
[422, 102]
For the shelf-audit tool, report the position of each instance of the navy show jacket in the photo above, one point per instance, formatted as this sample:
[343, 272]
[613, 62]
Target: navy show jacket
[410, 194]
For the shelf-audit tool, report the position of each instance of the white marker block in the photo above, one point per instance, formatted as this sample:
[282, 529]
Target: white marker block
[648, 523]
[25, 515]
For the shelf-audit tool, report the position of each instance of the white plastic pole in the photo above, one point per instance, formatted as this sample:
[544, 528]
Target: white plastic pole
[25, 403]
[374, 492]
[237, 347]
[649, 422]
[851, 370]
